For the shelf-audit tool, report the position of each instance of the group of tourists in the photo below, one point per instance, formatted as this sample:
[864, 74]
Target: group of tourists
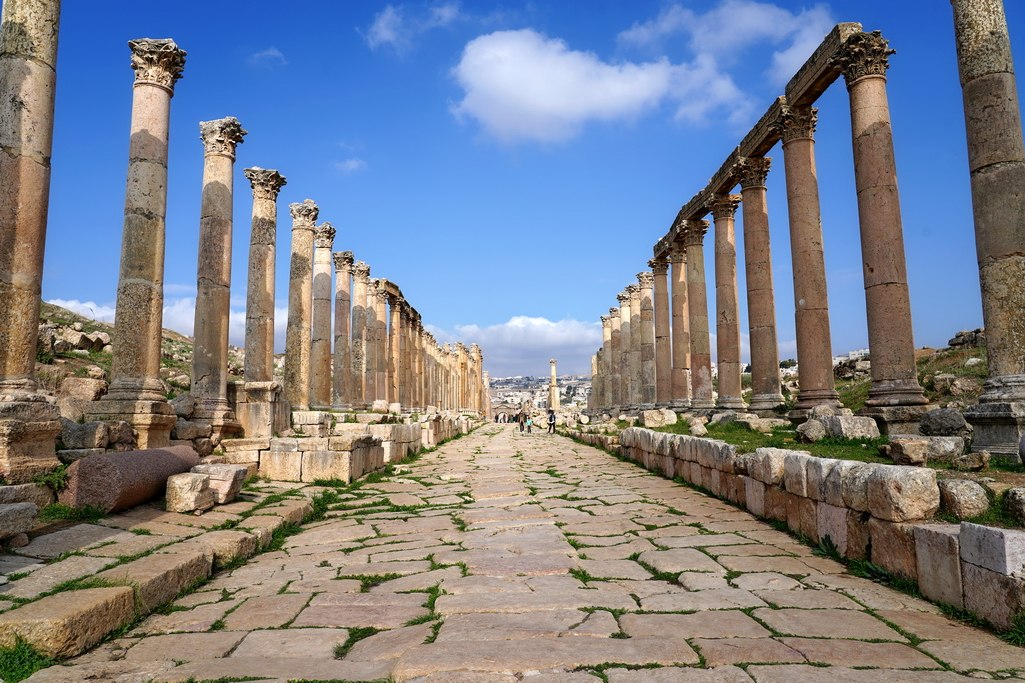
[526, 422]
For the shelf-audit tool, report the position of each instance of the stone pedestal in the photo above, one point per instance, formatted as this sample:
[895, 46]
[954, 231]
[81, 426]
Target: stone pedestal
[342, 374]
[260, 408]
[29, 425]
[727, 307]
[700, 340]
[300, 306]
[681, 391]
[320, 339]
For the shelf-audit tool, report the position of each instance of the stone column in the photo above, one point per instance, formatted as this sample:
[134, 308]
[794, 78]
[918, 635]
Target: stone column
[604, 366]
[136, 393]
[395, 304]
[213, 279]
[811, 302]
[29, 421]
[260, 413]
[370, 345]
[360, 284]
[636, 341]
[615, 364]
[342, 376]
[462, 376]
[553, 386]
[663, 347]
[478, 379]
[680, 398]
[895, 388]
[645, 283]
[405, 392]
[723, 208]
[761, 303]
[624, 350]
[300, 305]
[697, 312]
[381, 343]
[996, 159]
[320, 340]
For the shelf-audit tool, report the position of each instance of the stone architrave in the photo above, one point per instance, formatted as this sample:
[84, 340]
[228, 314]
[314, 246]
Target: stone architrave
[625, 329]
[663, 347]
[697, 312]
[996, 159]
[604, 367]
[262, 413]
[360, 315]
[811, 301]
[342, 375]
[320, 339]
[553, 385]
[681, 382]
[300, 305]
[761, 303]
[645, 283]
[864, 59]
[727, 306]
[636, 341]
[29, 421]
[213, 278]
[615, 395]
[136, 394]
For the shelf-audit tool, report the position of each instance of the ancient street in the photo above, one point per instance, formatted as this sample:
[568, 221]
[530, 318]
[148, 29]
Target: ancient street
[505, 556]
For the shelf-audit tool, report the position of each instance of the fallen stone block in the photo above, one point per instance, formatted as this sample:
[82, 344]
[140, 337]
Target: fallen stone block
[188, 492]
[26, 493]
[225, 480]
[82, 388]
[999, 550]
[161, 576]
[918, 450]
[118, 481]
[16, 518]
[963, 498]
[811, 431]
[1014, 504]
[68, 623]
[945, 422]
[971, 462]
[850, 427]
[901, 494]
[86, 435]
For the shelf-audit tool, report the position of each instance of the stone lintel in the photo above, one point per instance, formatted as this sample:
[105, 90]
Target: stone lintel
[724, 179]
[765, 134]
[820, 70]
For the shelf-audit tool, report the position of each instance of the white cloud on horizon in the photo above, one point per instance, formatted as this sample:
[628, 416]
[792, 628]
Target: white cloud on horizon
[270, 56]
[351, 165]
[398, 26]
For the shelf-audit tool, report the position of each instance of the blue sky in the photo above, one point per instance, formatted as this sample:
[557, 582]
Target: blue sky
[508, 165]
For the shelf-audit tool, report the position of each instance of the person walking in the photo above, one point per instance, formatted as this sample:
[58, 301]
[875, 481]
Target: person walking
[522, 419]
[551, 421]
[530, 423]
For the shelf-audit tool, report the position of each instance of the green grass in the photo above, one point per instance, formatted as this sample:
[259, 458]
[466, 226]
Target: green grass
[59, 511]
[681, 427]
[56, 479]
[355, 635]
[21, 661]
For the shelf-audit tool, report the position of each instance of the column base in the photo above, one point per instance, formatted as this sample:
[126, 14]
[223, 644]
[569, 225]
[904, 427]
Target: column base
[702, 404]
[29, 425]
[893, 420]
[645, 406]
[766, 405]
[899, 392]
[217, 413]
[808, 399]
[730, 403]
[679, 404]
[998, 428]
[151, 420]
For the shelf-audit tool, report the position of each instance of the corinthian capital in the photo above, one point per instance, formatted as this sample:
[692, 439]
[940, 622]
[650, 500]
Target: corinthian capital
[324, 236]
[723, 205]
[863, 54]
[633, 291]
[343, 261]
[645, 280]
[304, 214]
[220, 136]
[266, 183]
[660, 266]
[797, 122]
[694, 232]
[678, 253]
[752, 171]
[605, 320]
[361, 271]
[613, 313]
[623, 298]
[157, 61]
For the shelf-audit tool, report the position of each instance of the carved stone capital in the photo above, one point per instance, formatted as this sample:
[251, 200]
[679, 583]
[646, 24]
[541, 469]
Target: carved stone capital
[304, 214]
[613, 313]
[645, 280]
[623, 298]
[723, 205]
[863, 54]
[605, 320]
[678, 254]
[694, 232]
[796, 123]
[221, 136]
[475, 350]
[659, 266]
[633, 291]
[157, 61]
[324, 236]
[266, 183]
[343, 261]
[752, 171]
[361, 271]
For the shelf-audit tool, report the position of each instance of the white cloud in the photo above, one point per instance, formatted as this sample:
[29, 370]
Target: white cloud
[813, 25]
[271, 56]
[670, 21]
[90, 309]
[397, 26]
[351, 165]
[177, 288]
[523, 345]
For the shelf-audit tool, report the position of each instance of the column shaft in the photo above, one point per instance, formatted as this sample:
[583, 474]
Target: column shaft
[394, 350]
[663, 347]
[625, 344]
[645, 282]
[259, 345]
[681, 393]
[358, 346]
[615, 360]
[727, 305]
[381, 344]
[300, 306]
[342, 372]
[697, 311]
[636, 341]
[320, 340]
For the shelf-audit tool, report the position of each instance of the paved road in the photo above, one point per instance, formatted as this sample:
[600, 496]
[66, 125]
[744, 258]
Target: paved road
[505, 557]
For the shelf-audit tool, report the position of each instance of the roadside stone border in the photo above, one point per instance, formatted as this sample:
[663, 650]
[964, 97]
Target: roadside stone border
[879, 513]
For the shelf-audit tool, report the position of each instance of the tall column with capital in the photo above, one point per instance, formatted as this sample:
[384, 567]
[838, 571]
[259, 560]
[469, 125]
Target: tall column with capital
[680, 396]
[604, 367]
[360, 299]
[28, 73]
[625, 325]
[761, 303]
[636, 341]
[615, 393]
[405, 391]
[697, 311]
[213, 279]
[663, 347]
[463, 376]
[996, 160]
[342, 370]
[372, 342]
[645, 282]
[727, 307]
[478, 379]
[811, 301]
[320, 339]
[394, 348]
[300, 305]
[136, 393]
[864, 59]
[381, 338]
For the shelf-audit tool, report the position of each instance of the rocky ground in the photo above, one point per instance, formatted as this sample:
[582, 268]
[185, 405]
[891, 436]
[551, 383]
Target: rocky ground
[504, 556]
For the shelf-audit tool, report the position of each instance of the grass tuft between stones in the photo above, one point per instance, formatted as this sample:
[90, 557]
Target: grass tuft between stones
[356, 634]
[21, 661]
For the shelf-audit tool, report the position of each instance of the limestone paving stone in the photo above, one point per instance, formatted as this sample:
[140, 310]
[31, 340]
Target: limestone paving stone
[51, 575]
[718, 652]
[839, 652]
[827, 623]
[269, 611]
[723, 624]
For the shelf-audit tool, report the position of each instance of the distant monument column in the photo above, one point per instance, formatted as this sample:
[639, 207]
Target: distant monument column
[360, 297]
[262, 413]
[380, 342]
[624, 350]
[864, 59]
[996, 159]
[615, 393]
[300, 305]
[29, 421]
[213, 280]
[663, 347]
[697, 311]
[553, 387]
[320, 341]
[636, 340]
[680, 396]
[136, 393]
[727, 307]
[761, 305]
[811, 302]
[645, 282]
[342, 377]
